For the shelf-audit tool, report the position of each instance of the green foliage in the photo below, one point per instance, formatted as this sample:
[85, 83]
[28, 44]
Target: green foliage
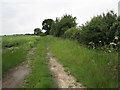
[55, 29]
[92, 68]
[115, 31]
[72, 33]
[46, 25]
[109, 18]
[98, 31]
[37, 31]
[61, 25]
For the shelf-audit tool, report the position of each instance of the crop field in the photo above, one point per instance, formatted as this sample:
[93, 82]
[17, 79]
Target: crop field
[92, 68]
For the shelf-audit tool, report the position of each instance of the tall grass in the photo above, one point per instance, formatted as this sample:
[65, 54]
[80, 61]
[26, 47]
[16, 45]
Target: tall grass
[40, 76]
[14, 50]
[92, 68]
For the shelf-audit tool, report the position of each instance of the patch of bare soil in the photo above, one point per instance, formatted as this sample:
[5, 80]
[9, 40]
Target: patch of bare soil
[62, 78]
[15, 77]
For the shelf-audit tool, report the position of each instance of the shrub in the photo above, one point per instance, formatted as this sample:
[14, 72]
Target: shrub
[72, 33]
[98, 29]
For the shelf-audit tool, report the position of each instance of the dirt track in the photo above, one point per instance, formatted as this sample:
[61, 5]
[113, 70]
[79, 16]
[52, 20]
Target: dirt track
[15, 77]
[62, 78]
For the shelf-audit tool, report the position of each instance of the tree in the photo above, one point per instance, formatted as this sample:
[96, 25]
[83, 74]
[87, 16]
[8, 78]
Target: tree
[62, 25]
[55, 29]
[46, 25]
[37, 31]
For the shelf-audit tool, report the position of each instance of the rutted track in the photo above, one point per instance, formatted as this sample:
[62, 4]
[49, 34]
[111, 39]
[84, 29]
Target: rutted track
[62, 78]
[15, 77]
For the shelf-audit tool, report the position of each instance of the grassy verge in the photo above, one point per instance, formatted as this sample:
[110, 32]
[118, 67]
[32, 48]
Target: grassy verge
[14, 50]
[94, 69]
[40, 76]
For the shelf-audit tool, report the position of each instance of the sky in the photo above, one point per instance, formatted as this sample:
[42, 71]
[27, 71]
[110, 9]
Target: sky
[23, 16]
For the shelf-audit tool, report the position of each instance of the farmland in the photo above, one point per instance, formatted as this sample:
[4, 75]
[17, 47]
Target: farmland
[92, 68]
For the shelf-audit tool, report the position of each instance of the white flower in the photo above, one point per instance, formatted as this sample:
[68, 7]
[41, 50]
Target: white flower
[116, 37]
[113, 43]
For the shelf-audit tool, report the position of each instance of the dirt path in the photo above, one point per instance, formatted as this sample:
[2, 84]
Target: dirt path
[16, 76]
[62, 78]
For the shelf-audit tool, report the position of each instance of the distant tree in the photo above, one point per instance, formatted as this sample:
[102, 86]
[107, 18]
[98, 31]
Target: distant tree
[37, 31]
[46, 25]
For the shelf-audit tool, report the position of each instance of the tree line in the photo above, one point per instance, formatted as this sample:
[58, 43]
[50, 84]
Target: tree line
[101, 31]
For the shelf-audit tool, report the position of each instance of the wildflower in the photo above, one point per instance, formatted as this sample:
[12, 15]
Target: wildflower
[116, 37]
[113, 43]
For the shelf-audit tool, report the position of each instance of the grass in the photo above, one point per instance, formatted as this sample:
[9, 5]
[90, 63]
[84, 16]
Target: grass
[14, 50]
[94, 69]
[40, 76]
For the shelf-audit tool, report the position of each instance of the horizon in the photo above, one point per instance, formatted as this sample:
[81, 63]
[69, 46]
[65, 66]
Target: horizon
[23, 16]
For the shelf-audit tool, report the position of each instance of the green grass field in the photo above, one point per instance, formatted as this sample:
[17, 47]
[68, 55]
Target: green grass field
[14, 50]
[94, 69]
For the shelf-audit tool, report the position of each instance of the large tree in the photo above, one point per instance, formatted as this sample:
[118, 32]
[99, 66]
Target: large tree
[46, 25]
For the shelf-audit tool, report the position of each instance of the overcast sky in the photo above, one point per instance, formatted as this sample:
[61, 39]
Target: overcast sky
[22, 16]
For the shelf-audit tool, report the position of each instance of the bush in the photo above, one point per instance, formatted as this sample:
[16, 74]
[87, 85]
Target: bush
[98, 31]
[72, 33]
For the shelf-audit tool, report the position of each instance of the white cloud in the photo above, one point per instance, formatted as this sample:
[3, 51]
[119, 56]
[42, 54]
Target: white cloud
[22, 16]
